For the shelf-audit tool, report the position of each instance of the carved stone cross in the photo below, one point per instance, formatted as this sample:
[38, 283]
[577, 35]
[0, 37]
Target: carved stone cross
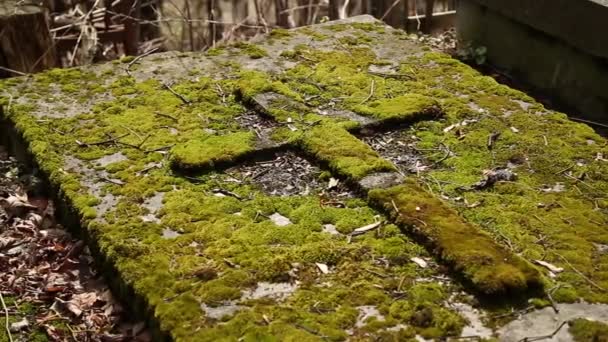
[331, 143]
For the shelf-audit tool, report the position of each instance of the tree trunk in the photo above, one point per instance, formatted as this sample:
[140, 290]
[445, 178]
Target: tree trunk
[282, 17]
[334, 9]
[25, 41]
[428, 13]
[240, 10]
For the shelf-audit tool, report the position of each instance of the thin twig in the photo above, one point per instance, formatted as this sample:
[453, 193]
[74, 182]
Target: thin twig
[103, 142]
[6, 319]
[395, 207]
[579, 272]
[550, 296]
[84, 22]
[538, 338]
[446, 156]
[166, 116]
[395, 76]
[593, 123]
[181, 97]
[13, 71]
[566, 169]
[136, 59]
[390, 9]
[371, 92]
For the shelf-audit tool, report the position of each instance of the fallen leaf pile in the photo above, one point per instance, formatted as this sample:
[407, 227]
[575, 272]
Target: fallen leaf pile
[48, 282]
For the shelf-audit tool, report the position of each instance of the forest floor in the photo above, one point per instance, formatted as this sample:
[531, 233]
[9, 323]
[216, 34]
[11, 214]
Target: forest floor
[49, 286]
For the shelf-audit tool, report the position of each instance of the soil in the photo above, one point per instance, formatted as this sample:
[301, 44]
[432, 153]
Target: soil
[399, 148]
[289, 174]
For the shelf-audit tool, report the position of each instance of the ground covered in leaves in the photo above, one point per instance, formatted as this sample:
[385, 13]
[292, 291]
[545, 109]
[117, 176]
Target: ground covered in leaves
[49, 288]
[226, 189]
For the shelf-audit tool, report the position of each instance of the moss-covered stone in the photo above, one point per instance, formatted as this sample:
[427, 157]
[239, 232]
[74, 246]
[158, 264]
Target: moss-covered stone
[489, 266]
[223, 247]
[401, 108]
[209, 151]
[583, 330]
[344, 153]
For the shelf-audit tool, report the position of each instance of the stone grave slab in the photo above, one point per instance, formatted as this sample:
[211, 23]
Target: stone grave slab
[331, 182]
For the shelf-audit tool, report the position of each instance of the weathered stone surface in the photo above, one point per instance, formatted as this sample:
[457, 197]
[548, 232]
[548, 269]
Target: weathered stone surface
[219, 254]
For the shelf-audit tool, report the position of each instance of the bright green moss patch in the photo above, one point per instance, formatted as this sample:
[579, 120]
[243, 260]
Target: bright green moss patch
[314, 34]
[489, 266]
[400, 108]
[583, 330]
[251, 50]
[344, 153]
[280, 33]
[216, 51]
[207, 152]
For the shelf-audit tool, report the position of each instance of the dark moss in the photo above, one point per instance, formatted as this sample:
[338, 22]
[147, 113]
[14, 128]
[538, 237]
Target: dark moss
[583, 330]
[488, 266]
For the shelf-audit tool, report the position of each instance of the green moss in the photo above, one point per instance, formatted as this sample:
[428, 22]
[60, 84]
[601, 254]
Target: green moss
[314, 34]
[583, 330]
[400, 108]
[209, 151]
[216, 51]
[344, 153]
[487, 265]
[251, 50]
[280, 33]
[127, 59]
[370, 27]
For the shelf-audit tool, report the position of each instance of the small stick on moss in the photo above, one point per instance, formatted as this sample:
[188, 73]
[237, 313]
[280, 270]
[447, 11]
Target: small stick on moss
[371, 92]
[395, 76]
[103, 142]
[112, 181]
[550, 297]
[227, 193]
[180, 96]
[538, 338]
[166, 116]
[515, 313]
[579, 272]
[492, 139]
[221, 93]
[381, 275]
[132, 131]
[400, 283]
[448, 153]
[395, 206]
[158, 149]
[566, 169]
[136, 59]
[143, 141]
[309, 330]
[6, 319]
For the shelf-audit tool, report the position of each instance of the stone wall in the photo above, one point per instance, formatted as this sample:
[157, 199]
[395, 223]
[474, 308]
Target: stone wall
[555, 47]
